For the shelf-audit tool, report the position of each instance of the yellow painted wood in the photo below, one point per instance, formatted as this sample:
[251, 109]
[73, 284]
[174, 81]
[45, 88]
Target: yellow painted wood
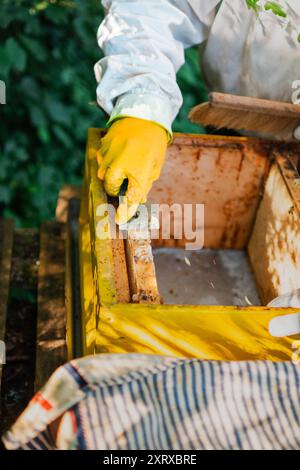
[102, 259]
[68, 300]
[96, 258]
[204, 332]
[217, 333]
[87, 291]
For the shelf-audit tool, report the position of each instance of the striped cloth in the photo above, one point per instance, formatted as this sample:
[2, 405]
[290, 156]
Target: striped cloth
[151, 402]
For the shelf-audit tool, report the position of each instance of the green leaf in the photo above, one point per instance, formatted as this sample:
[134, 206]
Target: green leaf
[63, 137]
[29, 88]
[16, 53]
[58, 111]
[6, 19]
[253, 4]
[38, 117]
[19, 154]
[44, 135]
[57, 14]
[5, 194]
[5, 61]
[22, 294]
[35, 48]
[276, 9]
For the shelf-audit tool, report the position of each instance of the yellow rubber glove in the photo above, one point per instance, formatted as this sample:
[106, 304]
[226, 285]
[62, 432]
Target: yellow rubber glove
[132, 149]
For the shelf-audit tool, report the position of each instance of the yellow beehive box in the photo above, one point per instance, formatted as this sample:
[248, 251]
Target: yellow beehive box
[250, 194]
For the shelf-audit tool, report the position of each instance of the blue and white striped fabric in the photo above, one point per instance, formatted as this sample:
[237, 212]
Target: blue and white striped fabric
[152, 402]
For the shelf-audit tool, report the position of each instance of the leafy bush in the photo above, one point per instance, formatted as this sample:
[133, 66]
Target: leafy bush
[47, 53]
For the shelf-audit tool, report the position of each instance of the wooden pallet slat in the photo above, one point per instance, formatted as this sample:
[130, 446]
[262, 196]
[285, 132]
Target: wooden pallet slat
[66, 193]
[6, 246]
[51, 350]
[67, 208]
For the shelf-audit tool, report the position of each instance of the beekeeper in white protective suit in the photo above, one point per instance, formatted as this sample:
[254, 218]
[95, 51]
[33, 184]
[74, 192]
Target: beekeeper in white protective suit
[143, 43]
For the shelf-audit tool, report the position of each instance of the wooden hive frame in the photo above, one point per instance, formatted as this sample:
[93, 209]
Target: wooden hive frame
[110, 280]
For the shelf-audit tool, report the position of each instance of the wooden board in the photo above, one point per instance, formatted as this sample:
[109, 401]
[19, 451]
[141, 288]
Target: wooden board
[6, 245]
[274, 247]
[141, 270]
[226, 174]
[225, 111]
[121, 271]
[288, 161]
[18, 374]
[66, 193]
[51, 322]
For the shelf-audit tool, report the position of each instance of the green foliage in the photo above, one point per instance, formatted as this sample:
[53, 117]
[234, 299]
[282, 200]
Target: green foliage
[193, 91]
[253, 4]
[47, 53]
[275, 7]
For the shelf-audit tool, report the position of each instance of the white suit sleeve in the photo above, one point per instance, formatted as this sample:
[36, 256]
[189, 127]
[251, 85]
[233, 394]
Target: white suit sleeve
[143, 43]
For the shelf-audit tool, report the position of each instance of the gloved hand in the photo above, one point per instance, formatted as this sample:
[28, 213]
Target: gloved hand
[132, 149]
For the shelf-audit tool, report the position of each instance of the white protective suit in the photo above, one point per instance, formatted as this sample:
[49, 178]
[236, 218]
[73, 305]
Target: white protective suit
[144, 41]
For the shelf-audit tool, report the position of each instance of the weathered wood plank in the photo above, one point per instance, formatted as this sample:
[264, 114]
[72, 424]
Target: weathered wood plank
[120, 270]
[66, 193]
[6, 245]
[274, 246]
[73, 300]
[67, 211]
[288, 159]
[141, 270]
[225, 174]
[51, 349]
[18, 374]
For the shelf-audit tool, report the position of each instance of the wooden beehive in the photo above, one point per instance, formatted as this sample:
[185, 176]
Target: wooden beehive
[251, 194]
